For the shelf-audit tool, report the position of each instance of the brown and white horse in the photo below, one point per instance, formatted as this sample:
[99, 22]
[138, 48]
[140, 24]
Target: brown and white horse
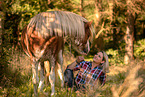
[43, 40]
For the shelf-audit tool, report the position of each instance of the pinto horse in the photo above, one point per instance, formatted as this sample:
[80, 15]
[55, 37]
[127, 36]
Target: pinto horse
[43, 40]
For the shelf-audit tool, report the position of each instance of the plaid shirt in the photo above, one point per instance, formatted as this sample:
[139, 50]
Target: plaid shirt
[86, 75]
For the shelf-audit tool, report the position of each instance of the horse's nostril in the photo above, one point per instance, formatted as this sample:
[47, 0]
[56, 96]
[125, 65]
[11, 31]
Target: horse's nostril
[65, 81]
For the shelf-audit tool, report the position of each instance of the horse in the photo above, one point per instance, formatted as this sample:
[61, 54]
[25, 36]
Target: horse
[43, 40]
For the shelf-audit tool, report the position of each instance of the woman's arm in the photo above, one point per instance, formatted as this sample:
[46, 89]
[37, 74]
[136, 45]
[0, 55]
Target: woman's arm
[103, 79]
[72, 65]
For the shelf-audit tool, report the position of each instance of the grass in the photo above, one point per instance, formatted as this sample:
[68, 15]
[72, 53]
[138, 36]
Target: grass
[122, 80]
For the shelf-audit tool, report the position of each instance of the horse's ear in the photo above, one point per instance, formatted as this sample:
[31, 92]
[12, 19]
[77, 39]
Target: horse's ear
[88, 24]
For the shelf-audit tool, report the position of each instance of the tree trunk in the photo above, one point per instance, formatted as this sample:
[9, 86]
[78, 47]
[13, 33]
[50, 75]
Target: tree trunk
[82, 8]
[98, 42]
[97, 13]
[129, 37]
[1, 32]
[143, 31]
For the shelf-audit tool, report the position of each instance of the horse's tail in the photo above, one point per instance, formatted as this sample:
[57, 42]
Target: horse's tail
[24, 41]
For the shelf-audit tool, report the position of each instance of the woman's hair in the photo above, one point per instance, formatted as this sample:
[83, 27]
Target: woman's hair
[106, 63]
[103, 56]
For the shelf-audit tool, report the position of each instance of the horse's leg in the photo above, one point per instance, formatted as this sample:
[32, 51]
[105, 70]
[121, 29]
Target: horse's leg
[60, 67]
[35, 78]
[47, 71]
[41, 83]
[52, 75]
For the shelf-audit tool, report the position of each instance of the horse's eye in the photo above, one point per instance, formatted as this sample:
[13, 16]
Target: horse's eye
[77, 42]
[81, 44]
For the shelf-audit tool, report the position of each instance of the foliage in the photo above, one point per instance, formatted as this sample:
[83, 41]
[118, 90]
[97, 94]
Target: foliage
[112, 14]
[114, 57]
[15, 74]
[120, 78]
[140, 49]
[13, 69]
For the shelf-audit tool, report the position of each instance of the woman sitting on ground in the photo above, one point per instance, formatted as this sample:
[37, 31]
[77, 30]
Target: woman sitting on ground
[90, 72]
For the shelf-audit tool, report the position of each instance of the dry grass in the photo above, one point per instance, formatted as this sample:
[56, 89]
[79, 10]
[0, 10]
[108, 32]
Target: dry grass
[133, 85]
[122, 81]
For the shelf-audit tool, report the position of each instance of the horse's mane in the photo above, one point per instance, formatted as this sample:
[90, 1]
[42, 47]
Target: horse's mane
[58, 23]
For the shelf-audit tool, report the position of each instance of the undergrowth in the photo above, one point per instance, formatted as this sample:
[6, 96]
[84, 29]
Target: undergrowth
[122, 80]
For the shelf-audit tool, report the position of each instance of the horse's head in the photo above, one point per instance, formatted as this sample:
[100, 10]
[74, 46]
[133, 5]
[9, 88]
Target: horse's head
[82, 45]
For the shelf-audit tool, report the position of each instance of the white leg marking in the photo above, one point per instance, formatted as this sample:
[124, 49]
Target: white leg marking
[35, 77]
[41, 83]
[52, 80]
[60, 74]
[60, 70]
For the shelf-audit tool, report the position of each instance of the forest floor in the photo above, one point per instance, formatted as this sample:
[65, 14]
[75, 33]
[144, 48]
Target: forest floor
[122, 80]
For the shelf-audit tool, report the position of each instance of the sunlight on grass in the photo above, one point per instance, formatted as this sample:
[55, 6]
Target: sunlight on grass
[122, 80]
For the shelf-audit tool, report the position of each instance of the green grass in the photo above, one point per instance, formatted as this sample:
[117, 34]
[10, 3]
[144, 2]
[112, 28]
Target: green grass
[123, 80]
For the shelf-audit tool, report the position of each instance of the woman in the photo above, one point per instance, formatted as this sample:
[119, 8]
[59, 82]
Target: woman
[90, 72]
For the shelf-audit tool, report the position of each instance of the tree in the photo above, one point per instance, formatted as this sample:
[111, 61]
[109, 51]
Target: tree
[2, 9]
[1, 31]
[102, 21]
[134, 8]
[129, 37]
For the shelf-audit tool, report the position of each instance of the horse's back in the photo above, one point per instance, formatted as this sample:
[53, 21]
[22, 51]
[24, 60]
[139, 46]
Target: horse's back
[58, 23]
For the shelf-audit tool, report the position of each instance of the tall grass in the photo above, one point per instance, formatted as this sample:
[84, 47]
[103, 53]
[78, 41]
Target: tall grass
[134, 84]
[122, 80]
[16, 74]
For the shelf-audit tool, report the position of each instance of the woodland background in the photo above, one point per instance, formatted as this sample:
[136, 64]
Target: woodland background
[119, 27]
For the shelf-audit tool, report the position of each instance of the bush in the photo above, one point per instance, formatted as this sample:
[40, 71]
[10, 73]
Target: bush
[139, 49]
[115, 57]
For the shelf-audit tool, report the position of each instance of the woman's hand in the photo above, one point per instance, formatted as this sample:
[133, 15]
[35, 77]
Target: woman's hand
[79, 59]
